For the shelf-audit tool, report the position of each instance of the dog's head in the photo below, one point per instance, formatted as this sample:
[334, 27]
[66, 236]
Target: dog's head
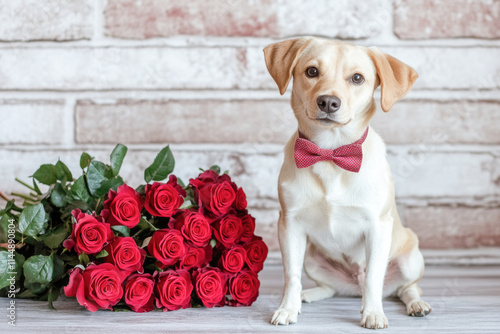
[333, 81]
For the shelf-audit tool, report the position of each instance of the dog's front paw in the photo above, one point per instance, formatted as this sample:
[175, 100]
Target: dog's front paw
[285, 316]
[418, 308]
[374, 320]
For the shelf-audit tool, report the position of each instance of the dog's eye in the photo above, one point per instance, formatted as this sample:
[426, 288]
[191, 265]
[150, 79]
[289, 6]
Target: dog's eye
[357, 79]
[312, 72]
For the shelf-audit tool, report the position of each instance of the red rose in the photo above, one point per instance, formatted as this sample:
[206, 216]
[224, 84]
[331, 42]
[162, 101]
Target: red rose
[173, 290]
[211, 286]
[139, 292]
[194, 227]
[98, 286]
[241, 200]
[123, 207]
[215, 193]
[244, 288]
[248, 223]
[228, 230]
[233, 259]
[126, 255]
[90, 234]
[167, 246]
[256, 254]
[196, 257]
[163, 200]
[204, 179]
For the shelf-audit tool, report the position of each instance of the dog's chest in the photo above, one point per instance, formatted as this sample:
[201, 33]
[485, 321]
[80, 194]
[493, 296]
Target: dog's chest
[337, 212]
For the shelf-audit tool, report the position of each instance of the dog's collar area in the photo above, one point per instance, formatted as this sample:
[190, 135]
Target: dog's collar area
[359, 141]
[348, 157]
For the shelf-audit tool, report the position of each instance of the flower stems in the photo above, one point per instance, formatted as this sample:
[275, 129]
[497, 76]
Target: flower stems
[4, 197]
[25, 184]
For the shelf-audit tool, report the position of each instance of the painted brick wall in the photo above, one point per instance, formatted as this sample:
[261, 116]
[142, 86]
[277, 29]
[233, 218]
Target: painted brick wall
[84, 75]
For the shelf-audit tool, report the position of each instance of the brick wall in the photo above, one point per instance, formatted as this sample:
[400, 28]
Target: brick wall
[84, 75]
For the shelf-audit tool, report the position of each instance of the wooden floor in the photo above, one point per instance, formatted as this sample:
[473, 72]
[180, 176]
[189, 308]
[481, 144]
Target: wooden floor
[464, 300]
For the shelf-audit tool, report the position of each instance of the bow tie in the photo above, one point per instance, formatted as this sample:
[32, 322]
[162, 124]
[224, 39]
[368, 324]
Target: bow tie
[348, 157]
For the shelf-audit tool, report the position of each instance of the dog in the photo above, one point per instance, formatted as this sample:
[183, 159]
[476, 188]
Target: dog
[338, 217]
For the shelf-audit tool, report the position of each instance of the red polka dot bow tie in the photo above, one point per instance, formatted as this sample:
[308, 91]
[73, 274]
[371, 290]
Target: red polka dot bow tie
[348, 157]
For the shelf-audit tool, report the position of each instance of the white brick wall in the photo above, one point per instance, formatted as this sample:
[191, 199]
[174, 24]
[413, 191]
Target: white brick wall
[84, 75]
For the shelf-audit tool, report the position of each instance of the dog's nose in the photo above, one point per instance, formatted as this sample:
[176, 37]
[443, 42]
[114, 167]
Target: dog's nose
[328, 103]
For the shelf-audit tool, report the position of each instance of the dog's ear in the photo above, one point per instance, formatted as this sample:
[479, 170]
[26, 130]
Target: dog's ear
[281, 59]
[396, 78]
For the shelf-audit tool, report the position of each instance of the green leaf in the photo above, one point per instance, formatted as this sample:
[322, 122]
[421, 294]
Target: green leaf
[122, 230]
[70, 260]
[63, 171]
[55, 238]
[33, 220]
[213, 242]
[215, 168]
[8, 207]
[80, 191]
[26, 294]
[146, 225]
[153, 267]
[38, 272]
[162, 166]
[101, 254]
[37, 189]
[4, 228]
[107, 185]
[182, 184]
[85, 160]
[46, 174]
[58, 196]
[84, 259]
[7, 266]
[141, 190]
[77, 204]
[117, 157]
[58, 268]
[95, 176]
[121, 308]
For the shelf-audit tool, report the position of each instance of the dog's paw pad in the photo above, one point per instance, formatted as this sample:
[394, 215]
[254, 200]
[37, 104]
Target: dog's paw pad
[418, 309]
[283, 316]
[374, 320]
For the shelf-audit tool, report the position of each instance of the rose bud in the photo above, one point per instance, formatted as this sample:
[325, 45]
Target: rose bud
[196, 257]
[167, 246]
[233, 259]
[139, 292]
[248, 223]
[173, 290]
[123, 207]
[163, 200]
[211, 286]
[90, 234]
[228, 230]
[98, 286]
[244, 288]
[194, 227]
[126, 255]
[256, 251]
[241, 200]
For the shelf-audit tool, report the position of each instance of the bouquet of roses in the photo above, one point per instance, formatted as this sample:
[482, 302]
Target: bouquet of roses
[111, 246]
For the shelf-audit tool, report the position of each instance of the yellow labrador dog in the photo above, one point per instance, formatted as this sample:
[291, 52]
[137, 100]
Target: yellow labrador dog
[338, 217]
